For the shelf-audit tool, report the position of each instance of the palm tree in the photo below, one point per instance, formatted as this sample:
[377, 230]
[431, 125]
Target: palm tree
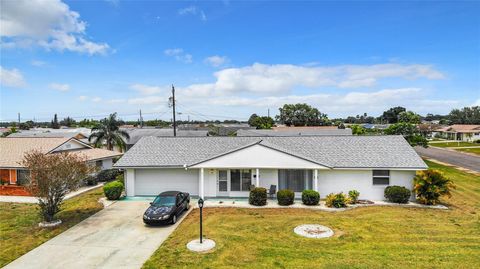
[108, 133]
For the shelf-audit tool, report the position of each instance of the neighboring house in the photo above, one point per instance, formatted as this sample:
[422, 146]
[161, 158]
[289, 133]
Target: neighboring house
[137, 133]
[228, 166]
[372, 126]
[461, 132]
[28, 133]
[13, 150]
[296, 131]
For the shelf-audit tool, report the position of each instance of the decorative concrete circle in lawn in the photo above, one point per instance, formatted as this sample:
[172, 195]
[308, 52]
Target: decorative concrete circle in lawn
[313, 231]
[52, 224]
[196, 246]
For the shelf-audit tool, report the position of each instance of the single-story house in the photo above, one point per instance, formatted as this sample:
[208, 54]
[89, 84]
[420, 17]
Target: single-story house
[229, 166]
[461, 132]
[13, 150]
[296, 131]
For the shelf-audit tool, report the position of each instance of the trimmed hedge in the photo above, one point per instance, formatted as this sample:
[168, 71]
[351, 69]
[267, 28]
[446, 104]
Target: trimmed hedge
[310, 197]
[113, 190]
[108, 174]
[336, 200]
[397, 194]
[258, 196]
[285, 197]
[121, 179]
[90, 181]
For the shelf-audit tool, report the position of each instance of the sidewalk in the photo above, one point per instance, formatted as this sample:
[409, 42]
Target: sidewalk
[34, 200]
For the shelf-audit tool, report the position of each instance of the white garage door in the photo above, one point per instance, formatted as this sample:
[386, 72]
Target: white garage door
[155, 181]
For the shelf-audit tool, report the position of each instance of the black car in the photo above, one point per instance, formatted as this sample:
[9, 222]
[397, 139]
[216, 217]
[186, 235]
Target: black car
[166, 207]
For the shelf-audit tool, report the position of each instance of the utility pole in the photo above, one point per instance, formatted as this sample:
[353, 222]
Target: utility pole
[173, 106]
[268, 112]
[18, 118]
[141, 119]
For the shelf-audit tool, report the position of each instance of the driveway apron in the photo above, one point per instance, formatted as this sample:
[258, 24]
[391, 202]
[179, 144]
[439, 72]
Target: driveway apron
[112, 238]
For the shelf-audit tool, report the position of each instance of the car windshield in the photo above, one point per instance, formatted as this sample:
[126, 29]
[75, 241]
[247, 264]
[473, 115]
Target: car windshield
[164, 201]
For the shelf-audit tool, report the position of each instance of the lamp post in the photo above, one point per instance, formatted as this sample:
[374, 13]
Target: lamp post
[200, 205]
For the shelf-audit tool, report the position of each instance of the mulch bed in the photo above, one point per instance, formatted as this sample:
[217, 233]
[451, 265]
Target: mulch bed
[10, 190]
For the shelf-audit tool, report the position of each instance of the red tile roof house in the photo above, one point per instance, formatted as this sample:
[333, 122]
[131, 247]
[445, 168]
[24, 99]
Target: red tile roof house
[13, 150]
[461, 132]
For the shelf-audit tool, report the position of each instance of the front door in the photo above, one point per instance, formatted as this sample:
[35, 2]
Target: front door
[222, 183]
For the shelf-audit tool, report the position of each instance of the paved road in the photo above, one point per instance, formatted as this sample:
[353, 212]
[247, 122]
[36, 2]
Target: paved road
[113, 238]
[451, 157]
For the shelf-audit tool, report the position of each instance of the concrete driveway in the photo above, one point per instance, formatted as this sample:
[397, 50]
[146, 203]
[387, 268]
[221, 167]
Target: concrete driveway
[113, 238]
[448, 156]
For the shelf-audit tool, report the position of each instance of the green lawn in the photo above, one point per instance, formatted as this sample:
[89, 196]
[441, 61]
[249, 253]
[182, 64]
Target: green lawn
[373, 237]
[19, 231]
[453, 144]
[470, 150]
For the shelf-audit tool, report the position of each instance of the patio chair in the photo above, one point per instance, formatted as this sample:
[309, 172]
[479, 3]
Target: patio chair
[273, 191]
[252, 187]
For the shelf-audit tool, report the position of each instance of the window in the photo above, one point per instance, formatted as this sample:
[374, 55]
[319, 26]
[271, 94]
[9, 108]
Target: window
[222, 180]
[22, 177]
[295, 180]
[240, 180]
[381, 177]
[98, 164]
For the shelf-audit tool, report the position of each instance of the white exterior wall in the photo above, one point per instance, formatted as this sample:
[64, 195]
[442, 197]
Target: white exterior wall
[268, 177]
[129, 178]
[334, 181]
[107, 164]
[70, 145]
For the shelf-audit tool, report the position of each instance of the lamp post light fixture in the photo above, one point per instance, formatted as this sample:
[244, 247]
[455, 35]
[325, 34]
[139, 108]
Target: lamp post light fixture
[200, 205]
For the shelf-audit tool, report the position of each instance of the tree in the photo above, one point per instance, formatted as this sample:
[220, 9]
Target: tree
[301, 115]
[263, 122]
[52, 176]
[69, 122]
[357, 129]
[409, 117]
[55, 124]
[252, 118]
[466, 115]
[391, 115]
[409, 131]
[108, 133]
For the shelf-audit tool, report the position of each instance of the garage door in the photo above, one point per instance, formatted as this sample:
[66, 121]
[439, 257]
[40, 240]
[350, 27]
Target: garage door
[155, 181]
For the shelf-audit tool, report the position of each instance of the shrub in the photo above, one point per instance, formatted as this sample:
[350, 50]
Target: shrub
[353, 196]
[310, 197]
[336, 200]
[121, 179]
[430, 185]
[90, 181]
[258, 196]
[285, 197]
[113, 190]
[397, 194]
[108, 174]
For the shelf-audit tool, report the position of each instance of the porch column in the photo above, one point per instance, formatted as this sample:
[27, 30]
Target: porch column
[200, 184]
[257, 178]
[315, 180]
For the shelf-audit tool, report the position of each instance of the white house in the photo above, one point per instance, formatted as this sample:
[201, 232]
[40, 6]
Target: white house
[460, 132]
[228, 166]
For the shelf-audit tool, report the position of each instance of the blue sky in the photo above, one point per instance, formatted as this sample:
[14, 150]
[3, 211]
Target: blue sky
[230, 59]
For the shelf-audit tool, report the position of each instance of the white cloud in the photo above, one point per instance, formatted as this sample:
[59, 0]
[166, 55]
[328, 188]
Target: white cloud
[11, 78]
[38, 63]
[150, 100]
[49, 24]
[193, 10]
[477, 103]
[148, 90]
[179, 55]
[82, 98]
[116, 101]
[216, 60]
[96, 99]
[283, 78]
[59, 87]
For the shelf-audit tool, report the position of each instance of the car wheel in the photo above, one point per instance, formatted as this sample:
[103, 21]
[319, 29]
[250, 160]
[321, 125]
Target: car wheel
[174, 219]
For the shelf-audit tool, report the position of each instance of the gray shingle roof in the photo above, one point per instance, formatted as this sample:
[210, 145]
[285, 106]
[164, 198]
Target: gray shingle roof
[137, 133]
[331, 151]
[293, 132]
